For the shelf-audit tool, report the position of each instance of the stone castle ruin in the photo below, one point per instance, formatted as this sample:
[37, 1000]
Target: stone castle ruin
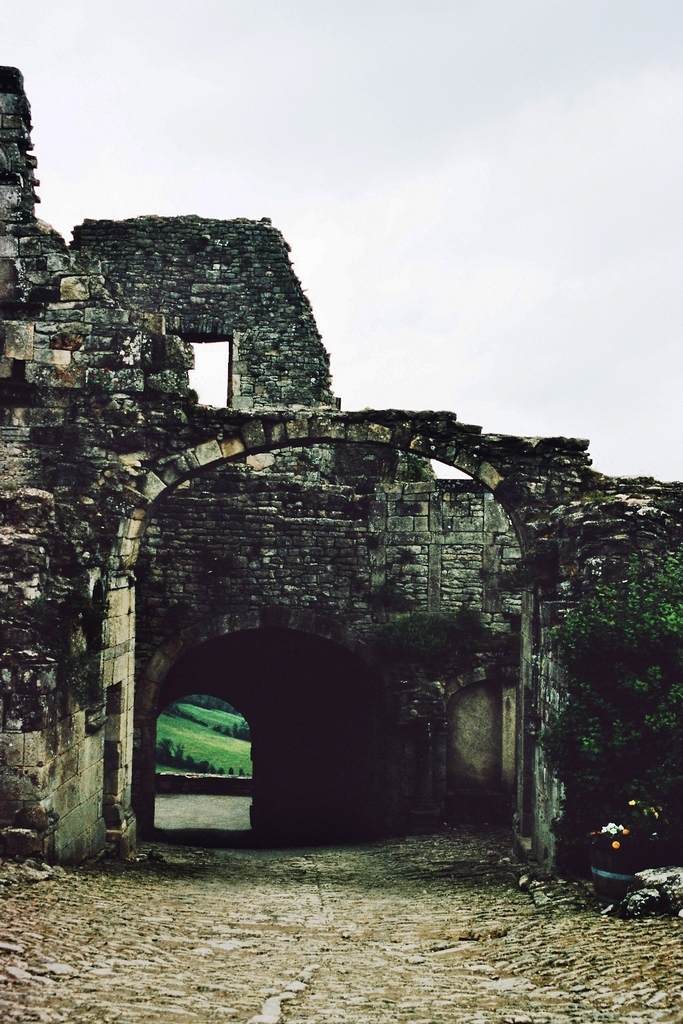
[152, 547]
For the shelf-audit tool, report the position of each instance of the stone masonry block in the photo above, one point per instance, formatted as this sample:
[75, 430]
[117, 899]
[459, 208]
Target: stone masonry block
[119, 601]
[254, 435]
[56, 376]
[40, 747]
[67, 796]
[357, 431]
[123, 667]
[155, 322]
[81, 817]
[400, 523]
[92, 779]
[114, 753]
[21, 842]
[118, 630]
[276, 432]
[151, 486]
[12, 749]
[208, 452]
[131, 528]
[297, 428]
[325, 426]
[53, 357]
[174, 469]
[230, 446]
[74, 289]
[489, 476]
[422, 446]
[127, 550]
[32, 816]
[19, 340]
[66, 733]
[111, 381]
[378, 432]
[9, 248]
[67, 762]
[107, 315]
[10, 200]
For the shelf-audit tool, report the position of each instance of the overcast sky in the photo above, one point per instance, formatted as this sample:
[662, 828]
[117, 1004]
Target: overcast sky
[484, 199]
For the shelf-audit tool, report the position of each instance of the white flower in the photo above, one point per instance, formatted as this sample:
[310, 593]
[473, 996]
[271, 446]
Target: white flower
[611, 829]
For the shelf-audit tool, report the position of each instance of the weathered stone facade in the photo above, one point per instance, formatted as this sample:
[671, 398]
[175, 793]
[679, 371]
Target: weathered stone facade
[278, 520]
[334, 534]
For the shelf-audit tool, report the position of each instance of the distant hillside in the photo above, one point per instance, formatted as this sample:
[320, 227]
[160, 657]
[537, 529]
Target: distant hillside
[192, 737]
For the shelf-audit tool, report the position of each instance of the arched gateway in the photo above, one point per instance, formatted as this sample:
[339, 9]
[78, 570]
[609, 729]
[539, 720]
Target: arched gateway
[144, 537]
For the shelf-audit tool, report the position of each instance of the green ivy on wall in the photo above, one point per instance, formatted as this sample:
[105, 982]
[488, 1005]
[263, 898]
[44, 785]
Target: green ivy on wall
[616, 741]
[436, 643]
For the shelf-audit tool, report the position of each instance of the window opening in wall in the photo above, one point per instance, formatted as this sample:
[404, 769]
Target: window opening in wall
[212, 377]
[203, 751]
[444, 472]
[19, 369]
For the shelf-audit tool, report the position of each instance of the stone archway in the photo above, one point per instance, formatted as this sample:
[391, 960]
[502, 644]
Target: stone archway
[525, 474]
[314, 702]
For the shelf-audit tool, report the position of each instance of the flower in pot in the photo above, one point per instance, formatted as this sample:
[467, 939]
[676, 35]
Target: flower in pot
[618, 852]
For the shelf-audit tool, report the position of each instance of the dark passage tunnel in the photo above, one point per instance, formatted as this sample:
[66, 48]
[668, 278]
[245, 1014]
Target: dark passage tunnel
[313, 708]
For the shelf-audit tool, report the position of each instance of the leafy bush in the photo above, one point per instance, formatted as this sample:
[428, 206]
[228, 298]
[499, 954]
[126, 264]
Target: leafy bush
[239, 730]
[616, 741]
[436, 643]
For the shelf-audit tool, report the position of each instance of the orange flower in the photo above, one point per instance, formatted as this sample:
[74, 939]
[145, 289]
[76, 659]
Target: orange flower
[616, 844]
[625, 831]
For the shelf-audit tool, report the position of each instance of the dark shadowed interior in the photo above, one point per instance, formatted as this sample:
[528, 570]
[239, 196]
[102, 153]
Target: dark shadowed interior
[312, 707]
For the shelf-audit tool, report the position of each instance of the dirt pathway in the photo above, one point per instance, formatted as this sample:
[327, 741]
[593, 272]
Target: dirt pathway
[427, 930]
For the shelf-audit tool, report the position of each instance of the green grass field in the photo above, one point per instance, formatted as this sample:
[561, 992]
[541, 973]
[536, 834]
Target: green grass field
[198, 739]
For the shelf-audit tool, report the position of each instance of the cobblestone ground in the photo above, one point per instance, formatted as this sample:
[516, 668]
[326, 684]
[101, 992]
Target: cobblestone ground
[425, 930]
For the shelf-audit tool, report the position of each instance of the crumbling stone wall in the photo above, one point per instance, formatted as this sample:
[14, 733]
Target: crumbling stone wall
[220, 280]
[243, 536]
[99, 431]
[336, 532]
